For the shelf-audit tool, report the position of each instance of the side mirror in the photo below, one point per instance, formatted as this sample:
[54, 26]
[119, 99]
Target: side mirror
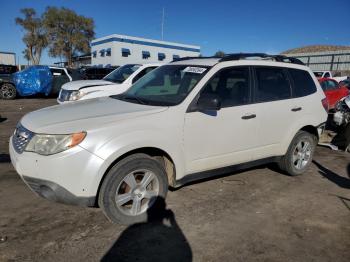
[209, 102]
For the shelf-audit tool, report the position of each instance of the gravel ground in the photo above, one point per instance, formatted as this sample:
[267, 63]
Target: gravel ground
[252, 215]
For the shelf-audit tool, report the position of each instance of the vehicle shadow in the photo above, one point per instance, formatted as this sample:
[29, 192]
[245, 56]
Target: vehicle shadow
[2, 119]
[158, 239]
[333, 177]
[5, 158]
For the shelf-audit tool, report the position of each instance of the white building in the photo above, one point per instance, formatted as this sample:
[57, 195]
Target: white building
[118, 50]
[7, 58]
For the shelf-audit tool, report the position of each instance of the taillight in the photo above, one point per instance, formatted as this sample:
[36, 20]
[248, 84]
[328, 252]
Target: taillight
[325, 104]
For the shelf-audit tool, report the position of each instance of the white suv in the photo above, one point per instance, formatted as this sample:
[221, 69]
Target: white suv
[187, 120]
[116, 82]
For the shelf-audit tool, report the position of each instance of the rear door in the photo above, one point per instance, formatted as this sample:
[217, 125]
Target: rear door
[277, 110]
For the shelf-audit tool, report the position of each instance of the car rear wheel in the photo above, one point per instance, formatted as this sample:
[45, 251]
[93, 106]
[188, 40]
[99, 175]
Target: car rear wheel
[8, 91]
[299, 155]
[131, 188]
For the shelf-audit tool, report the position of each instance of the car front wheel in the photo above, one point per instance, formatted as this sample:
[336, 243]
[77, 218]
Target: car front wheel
[299, 155]
[131, 188]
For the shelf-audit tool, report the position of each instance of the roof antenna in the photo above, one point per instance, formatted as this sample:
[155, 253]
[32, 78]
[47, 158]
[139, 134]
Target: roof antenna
[163, 24]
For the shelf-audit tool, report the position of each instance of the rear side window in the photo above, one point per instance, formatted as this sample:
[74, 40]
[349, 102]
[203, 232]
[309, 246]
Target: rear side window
[272, 84]
[303, 83]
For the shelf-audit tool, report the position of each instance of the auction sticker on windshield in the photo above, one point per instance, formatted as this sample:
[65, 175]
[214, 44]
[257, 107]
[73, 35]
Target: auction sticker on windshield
[196, 70]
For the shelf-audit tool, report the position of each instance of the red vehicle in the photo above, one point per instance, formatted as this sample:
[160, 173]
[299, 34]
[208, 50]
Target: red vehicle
[333, 91]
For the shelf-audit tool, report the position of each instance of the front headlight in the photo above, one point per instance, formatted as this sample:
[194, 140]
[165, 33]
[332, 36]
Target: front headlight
[75, 95]
[53, 144]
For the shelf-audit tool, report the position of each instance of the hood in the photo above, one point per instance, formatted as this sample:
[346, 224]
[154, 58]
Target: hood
[84, 115]
[76, 85]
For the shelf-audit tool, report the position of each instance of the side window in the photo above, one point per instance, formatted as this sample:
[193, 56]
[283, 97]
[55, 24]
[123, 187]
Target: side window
[329, 85]
[272, 84]
[327, 75]
[303, 83]
[57, 72]
[324, 85]
[231, 85]
[332, 85]
[142, 73]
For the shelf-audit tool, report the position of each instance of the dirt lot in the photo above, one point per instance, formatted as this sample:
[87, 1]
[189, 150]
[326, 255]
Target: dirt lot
[253, 215]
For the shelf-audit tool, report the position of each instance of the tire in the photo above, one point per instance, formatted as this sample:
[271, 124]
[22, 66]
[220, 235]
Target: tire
[139, 199]
[8, 91]
[295, 163]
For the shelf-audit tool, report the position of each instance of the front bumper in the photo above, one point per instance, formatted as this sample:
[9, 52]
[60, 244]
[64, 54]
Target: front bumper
[57, 193]
[70, 177]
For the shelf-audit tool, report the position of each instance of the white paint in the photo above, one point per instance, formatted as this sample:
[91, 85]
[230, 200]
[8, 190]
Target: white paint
[195, 141]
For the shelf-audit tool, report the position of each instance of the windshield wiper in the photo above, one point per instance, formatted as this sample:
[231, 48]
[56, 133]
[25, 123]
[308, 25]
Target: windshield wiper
[115, 81]
[134, 98]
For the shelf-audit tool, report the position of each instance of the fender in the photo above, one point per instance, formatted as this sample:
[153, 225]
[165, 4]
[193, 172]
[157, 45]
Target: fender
[123, 144]
[305, 120]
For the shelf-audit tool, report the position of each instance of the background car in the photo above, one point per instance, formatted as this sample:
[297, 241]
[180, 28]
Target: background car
[345, 83]
[7, 86]
[116, 82]
[36, 80]
[95, 72]
[328, 74]
[333, 91]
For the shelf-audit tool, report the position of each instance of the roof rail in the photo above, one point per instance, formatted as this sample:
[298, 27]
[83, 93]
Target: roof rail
[193, 57]
[277, 58]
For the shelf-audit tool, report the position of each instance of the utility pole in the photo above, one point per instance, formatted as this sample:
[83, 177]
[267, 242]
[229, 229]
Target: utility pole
[163, 24]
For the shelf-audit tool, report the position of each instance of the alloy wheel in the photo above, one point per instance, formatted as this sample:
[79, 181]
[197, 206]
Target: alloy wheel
[137, 192]
[302, 154]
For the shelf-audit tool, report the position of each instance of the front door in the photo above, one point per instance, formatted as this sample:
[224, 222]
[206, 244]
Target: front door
[215, 139]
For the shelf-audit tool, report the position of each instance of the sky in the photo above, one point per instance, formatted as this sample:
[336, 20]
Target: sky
[231, 26]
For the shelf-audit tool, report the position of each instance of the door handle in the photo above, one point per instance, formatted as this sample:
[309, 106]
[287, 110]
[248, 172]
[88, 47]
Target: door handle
[296, 109]
[245, 117]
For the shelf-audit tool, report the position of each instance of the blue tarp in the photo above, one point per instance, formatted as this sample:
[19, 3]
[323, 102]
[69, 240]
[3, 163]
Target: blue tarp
[33, 80]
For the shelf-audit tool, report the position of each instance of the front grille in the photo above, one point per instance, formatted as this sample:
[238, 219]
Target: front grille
[21, 138]
[64, 95]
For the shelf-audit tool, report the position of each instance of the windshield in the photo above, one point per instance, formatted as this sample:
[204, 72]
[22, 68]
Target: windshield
[122, 73]
[167, 85]
[318, 74]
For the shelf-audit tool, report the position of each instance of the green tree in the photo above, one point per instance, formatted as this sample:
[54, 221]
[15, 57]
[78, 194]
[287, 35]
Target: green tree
[69, 34]
[220, 53]
[34, 37]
